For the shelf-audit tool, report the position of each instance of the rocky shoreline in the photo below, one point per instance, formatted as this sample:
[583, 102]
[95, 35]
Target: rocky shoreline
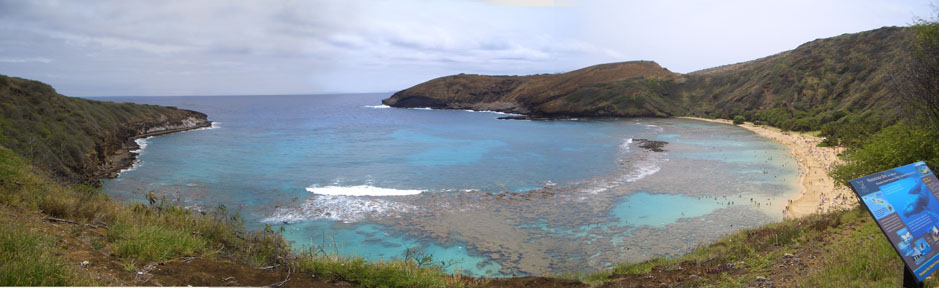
[123, 158]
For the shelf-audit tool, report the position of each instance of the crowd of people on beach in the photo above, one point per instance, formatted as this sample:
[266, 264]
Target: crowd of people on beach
[816, 163]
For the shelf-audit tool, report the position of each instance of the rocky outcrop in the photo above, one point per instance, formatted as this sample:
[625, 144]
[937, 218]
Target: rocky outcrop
[651, 145]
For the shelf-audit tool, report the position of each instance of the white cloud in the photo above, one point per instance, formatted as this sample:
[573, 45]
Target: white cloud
[26, 60]
[270, 47]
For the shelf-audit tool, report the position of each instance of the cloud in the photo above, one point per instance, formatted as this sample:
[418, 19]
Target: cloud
[216, 47]
[531, 3]
[26, 60]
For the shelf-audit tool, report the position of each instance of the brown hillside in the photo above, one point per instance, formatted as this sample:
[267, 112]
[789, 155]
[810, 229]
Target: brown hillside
[517, 94]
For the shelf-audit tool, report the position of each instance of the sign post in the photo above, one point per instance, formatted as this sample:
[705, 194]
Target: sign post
[904, 202]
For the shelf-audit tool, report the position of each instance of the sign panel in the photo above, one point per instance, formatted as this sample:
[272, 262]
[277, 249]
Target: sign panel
[904, 201]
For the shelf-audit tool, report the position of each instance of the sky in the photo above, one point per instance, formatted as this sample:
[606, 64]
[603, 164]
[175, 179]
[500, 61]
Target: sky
[223, 47]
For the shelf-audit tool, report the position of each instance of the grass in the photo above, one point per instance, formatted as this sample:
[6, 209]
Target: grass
[395, 273]
[139, 232]
[149, 242]
[863, 257]
[161, 230]
[31, 258]
[853, 253]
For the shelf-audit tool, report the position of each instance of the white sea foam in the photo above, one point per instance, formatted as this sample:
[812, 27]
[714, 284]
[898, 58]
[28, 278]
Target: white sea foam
[214, 125]
[382, 106]
[656, 128]
[645, 164]
[340, 208]
[137, 163]
[422, 108]
[141, 144]
[493, 112]
[644, 169]
[361, 190]
[625, 145]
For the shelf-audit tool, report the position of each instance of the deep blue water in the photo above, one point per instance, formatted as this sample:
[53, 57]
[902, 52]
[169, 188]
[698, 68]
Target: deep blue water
[320, 162]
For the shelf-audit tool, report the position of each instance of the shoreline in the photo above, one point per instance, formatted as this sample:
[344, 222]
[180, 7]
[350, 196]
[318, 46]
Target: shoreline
[124, 159]
[818, 192]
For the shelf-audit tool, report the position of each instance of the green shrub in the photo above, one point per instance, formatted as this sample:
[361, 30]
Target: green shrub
[894, 146]
[739, 119]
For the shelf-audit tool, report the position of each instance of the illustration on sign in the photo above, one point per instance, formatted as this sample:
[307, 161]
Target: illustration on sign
[905, 203]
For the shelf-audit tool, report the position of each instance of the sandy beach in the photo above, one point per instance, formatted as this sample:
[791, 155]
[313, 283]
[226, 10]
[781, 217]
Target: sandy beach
[819, 193]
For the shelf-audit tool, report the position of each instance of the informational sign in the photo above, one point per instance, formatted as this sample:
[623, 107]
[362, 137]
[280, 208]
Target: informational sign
[905, 203]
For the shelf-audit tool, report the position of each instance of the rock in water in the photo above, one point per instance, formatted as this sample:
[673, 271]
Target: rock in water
[652, 145]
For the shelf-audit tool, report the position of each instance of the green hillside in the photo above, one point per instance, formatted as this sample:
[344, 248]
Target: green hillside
[840, 85]
[75, 139]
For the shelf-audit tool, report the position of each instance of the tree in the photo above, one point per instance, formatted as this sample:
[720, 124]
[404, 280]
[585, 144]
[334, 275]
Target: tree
[918, 82]
[739, 119]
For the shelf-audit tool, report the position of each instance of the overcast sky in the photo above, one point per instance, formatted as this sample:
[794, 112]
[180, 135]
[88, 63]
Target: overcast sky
[129, 48]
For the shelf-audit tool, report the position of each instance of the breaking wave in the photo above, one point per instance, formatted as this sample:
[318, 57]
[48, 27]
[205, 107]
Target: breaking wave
[493, 112]
[634, 167]
[361, 190]
[141, 146]
[347, 209]
[214, 125]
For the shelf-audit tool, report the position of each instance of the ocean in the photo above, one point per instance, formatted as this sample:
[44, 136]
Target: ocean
[343, 174]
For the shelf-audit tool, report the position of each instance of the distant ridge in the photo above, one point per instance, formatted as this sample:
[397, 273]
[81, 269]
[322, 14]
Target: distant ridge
[833, 81]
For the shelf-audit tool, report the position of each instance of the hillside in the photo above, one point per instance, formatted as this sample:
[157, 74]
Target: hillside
[537, 95]
[840, 81]
[79, 140]
[826, 84]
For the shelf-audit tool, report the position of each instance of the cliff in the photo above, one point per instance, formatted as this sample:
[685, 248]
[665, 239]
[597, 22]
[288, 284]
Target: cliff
[79, 140]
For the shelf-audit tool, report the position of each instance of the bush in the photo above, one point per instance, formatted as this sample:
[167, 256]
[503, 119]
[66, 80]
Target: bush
[739, 119]
[894, 146]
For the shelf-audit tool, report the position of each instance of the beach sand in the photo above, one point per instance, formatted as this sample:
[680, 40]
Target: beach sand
[819, 193]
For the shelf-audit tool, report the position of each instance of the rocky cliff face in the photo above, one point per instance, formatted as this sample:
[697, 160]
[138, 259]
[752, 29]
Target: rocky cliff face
[79, 140]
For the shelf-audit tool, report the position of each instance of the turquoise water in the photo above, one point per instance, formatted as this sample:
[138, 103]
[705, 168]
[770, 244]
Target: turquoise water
[486, 197]
[650, 209]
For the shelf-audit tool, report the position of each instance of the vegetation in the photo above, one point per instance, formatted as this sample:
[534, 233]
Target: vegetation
[65, 137]
[917, 80]
[71, 137]
[739, 119]
[913, 139]
[844, 249]
[407, 272]
[841, 86]
[141, 233]
[29, 258]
